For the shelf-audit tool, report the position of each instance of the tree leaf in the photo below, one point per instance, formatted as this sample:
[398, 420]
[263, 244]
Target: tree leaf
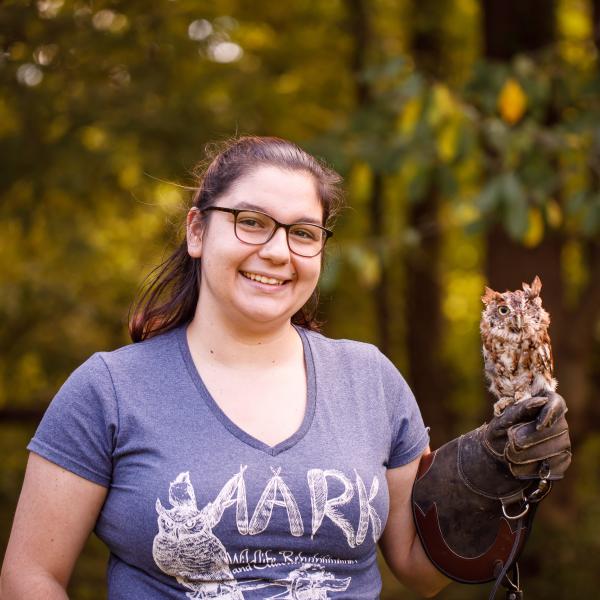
[490, 197]
[512, 101]
[514, 206]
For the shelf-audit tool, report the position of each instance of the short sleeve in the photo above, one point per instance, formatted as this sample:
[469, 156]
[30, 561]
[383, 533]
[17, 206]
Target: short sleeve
[79, 429]
[410, 437]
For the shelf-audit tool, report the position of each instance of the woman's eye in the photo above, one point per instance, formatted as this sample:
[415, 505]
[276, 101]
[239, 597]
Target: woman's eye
[503, 310]
[306, 234]
[251, 223]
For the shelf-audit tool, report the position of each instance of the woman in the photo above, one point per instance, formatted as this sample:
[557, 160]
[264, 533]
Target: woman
[234, 452]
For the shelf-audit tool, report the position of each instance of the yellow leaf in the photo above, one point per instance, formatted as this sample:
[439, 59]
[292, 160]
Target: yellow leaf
[512, 101]
[93, 137]
[535, 228]
[129, 176]
[371, 271]
[168, 197]
[553, 213]
[447, 140]
[410, 115]
[442, 105]
[367, 265]
[288, 83]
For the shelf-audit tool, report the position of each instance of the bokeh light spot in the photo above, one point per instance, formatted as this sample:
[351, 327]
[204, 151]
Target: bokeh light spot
[109, 20]
[225, 52]
[44, 55]
[199, 30]
[48, 9]
[29, 74]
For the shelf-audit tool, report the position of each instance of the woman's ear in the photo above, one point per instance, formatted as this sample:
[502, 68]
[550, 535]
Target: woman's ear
[194, 230]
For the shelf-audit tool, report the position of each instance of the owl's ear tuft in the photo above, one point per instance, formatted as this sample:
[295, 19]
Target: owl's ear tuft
[160, 509]
[534, 289]
[490, 295]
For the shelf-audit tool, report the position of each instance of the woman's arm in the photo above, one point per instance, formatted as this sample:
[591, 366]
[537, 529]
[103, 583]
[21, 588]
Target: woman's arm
[56, 512]
[400, 544]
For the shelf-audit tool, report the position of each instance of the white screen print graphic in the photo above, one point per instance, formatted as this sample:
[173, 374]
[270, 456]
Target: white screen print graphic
[186, 547]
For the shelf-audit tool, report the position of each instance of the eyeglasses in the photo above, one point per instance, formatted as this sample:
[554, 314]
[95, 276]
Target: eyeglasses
[254, 227]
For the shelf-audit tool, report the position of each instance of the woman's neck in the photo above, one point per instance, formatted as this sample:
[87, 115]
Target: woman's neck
[260, 347]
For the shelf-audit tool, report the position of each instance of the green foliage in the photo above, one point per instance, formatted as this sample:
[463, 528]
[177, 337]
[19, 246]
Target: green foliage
[101, 104]
[105, 108]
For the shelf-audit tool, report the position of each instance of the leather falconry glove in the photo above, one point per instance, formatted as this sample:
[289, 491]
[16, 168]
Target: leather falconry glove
[474, 498]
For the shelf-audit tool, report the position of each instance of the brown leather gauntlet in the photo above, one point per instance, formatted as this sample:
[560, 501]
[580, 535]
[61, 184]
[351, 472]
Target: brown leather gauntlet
[474, 498]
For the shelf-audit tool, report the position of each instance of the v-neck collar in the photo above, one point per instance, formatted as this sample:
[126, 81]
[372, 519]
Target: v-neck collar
[238, 432]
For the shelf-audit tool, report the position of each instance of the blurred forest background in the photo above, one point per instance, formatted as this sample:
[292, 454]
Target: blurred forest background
[468, 132]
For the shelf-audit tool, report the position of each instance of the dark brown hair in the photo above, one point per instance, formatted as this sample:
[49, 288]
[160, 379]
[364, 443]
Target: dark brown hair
[170, 294]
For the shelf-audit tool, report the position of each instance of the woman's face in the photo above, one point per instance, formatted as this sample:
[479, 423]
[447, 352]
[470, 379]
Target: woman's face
[229, 287]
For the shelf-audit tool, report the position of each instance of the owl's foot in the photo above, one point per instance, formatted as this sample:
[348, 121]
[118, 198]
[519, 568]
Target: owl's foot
[501, 404]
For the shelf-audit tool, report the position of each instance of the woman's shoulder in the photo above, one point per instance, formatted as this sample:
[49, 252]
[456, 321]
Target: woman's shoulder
[342, 348]
[362, 358]
[155, 352]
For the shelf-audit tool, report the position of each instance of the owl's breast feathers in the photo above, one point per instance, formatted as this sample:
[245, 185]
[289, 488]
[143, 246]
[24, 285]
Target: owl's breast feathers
[517, 368]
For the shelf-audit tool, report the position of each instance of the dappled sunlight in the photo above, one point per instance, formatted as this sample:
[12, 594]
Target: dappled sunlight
[29, 74]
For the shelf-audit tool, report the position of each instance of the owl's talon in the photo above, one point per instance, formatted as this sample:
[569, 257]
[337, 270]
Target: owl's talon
[500, 405]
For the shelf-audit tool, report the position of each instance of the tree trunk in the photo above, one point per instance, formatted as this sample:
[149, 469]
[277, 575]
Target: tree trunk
[514, 26]
[427, 373]
[358, 19]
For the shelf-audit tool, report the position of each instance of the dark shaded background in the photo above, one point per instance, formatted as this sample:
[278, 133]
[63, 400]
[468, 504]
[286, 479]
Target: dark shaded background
[469, 136]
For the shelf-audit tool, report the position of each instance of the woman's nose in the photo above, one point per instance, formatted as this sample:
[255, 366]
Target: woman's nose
[276, 249]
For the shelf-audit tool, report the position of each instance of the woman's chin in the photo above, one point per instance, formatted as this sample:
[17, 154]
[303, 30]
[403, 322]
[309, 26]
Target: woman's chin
[266, 316]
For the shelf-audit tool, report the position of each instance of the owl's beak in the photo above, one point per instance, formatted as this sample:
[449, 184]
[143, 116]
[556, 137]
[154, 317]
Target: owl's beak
[519, 320]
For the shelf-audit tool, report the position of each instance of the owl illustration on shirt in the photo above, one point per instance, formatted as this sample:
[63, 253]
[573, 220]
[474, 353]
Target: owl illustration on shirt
[186, 548]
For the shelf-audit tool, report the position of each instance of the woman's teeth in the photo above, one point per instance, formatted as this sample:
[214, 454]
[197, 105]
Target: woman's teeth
[262, 279]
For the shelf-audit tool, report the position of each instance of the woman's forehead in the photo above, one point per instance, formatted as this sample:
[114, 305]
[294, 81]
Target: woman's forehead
[279, 192]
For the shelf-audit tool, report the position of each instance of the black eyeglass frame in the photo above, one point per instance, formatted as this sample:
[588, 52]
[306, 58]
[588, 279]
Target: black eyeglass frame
[236, 211]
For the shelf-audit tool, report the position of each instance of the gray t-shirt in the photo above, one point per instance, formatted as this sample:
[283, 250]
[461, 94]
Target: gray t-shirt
[197, 508]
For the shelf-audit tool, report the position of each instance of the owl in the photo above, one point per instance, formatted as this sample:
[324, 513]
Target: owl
[186, 548]
[516, 345]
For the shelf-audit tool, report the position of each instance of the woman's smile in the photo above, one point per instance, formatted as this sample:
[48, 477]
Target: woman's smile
[264, 279]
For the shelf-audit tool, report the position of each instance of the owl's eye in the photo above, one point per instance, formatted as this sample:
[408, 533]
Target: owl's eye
[503, 310]
[190, 523]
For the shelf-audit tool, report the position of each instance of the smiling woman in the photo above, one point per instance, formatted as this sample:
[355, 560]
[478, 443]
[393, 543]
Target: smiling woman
[182, 450]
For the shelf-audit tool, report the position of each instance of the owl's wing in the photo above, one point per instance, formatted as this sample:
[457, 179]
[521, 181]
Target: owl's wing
[545, 354]
[489, 356]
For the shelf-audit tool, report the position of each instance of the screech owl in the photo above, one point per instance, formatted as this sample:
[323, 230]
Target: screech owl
[516, 345]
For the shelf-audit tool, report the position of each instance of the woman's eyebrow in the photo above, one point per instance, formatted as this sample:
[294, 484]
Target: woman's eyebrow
[249, 206]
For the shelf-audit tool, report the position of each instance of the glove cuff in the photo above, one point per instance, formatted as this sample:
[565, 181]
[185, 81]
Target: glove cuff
[469, 511]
